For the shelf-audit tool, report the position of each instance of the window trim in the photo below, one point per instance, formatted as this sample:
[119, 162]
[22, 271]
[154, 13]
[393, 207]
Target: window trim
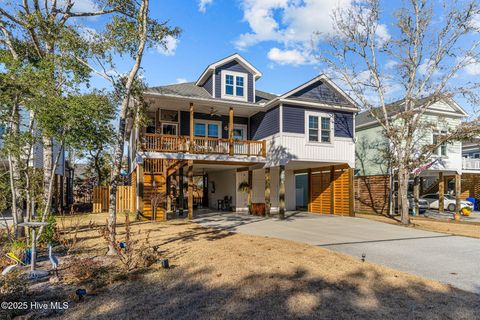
[163, 110]
[169, 124]
[438, 150]
[235, 74]
[244, 128]
[206, 123]
[319, 115]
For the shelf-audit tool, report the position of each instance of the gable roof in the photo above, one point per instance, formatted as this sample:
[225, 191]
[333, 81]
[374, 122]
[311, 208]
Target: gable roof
[293, 95]
[396, 107]
[210, 69]
[191, 90]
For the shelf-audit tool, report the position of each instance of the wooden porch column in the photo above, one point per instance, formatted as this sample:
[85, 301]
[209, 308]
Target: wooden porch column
[441, 192]
[351, 193]
[309, 191]
[281, 192]
[267, 192]
[332, 190]
[250, 182]
[191, 128]
[167, 193]
[190, 189]
[139, 189]
[416, 194]
[181, 198]
[230, 131]
[458, 191]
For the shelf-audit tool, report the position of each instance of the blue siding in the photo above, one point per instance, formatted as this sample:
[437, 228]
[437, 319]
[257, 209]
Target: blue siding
[264, 124]
[208, 85]
[232, 66]
[185, 121]
[320, 92]
[294, 120]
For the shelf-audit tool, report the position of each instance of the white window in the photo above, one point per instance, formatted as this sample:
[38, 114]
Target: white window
[234, 85]
[442, 149]
[239, 132]
[320, 127]
[169, 128]
[210, 129]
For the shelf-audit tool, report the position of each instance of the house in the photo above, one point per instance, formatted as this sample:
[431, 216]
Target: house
[63, 177]
[471, 156]
[221, 143]
[374, 181]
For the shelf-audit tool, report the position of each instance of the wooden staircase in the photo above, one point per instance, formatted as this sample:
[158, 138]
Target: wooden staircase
[155, 175]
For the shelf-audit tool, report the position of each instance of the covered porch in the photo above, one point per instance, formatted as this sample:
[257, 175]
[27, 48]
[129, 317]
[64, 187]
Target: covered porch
[190, 128]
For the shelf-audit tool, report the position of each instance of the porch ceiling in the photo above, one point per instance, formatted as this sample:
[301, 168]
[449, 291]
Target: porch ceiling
[220, 107]
[199, 168]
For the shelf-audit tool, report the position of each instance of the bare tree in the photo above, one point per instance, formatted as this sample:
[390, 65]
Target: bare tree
[416, 64]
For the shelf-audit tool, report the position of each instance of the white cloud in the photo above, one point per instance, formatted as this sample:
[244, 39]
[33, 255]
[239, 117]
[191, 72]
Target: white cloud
[181, 80]
[202, 5]
[473, 68]
[171, 44]
[82, 5]
[475, 21]
[427, 67]
[382, 34]
[87, 33]
[391, 64]
[290, 23]
[283, 57]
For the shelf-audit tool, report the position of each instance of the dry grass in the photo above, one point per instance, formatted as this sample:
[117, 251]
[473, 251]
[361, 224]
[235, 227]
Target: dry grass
[221, 275]
[467, 229]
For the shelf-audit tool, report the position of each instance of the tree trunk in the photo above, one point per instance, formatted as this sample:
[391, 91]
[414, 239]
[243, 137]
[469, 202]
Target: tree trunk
[17, 212]
[47, 170]
[403, 176]
[120, 139]
[117, 167]
[14, 171]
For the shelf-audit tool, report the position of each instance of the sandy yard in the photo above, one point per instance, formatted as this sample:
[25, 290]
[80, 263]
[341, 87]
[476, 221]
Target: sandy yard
[218, 275]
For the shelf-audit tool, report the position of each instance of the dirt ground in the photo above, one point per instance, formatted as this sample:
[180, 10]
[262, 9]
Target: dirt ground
[466, 229]
[222, 275]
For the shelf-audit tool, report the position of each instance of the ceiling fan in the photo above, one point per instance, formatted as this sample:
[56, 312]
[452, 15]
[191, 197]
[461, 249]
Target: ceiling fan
[213, 112]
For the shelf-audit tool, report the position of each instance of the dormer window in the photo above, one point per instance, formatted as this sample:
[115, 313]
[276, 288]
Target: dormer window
[234, 85]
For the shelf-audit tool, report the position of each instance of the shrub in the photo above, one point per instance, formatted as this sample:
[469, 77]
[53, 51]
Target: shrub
[79, 270]
[18, 248]
[49, 234]
[132, 253]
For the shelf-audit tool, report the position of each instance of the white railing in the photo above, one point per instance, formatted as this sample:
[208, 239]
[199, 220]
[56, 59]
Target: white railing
[471, 164]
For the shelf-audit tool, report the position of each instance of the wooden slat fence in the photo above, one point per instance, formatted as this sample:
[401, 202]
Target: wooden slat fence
[126, 199]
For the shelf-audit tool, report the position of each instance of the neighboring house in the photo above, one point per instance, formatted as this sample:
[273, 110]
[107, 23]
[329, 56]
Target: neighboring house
[471, 156]
[294, 150]
[63, 182]
[373, 184]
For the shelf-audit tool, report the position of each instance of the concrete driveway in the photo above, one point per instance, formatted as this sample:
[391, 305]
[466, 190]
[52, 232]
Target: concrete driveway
[449, 259]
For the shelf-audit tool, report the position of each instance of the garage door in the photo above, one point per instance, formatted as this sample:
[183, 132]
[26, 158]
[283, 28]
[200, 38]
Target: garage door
[330, 191]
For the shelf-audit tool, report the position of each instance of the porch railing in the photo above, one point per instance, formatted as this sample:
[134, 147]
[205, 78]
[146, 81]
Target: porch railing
[471, 164]
[202, 145]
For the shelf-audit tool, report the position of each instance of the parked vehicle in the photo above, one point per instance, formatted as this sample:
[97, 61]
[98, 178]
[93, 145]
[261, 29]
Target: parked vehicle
[423, 204]
[449, 202]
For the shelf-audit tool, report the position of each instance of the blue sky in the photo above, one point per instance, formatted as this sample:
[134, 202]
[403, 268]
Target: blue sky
[209, 36]
[274, 35]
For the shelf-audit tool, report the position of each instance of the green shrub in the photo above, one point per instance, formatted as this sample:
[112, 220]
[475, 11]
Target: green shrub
[18, 248]
[49, 234]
